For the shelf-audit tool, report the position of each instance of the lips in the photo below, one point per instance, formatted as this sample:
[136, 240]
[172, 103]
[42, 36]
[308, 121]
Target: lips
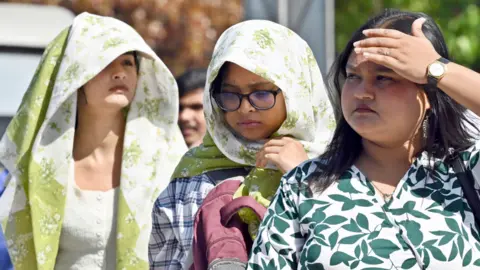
[249, 123]
[119, 88]
[186, 131]
[362, 108]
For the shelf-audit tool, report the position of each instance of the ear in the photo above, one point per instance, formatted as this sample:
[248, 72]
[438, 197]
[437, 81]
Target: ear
[425, 100]
[81, 96]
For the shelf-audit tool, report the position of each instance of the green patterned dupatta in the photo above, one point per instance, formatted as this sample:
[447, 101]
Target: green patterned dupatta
[37, 147]
[279, 55]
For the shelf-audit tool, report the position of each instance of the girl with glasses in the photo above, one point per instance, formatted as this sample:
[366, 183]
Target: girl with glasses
[267, 111]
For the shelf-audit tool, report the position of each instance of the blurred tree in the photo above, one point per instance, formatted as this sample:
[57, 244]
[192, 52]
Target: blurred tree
[458, 19]
[182, 32]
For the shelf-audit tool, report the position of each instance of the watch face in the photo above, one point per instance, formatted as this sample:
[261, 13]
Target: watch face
[436, 69]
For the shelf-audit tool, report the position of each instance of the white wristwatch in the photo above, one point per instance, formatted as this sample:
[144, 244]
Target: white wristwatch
[436, 71]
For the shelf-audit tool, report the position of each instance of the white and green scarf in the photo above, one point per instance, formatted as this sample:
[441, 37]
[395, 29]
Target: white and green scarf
[279, 55]
[37, 146]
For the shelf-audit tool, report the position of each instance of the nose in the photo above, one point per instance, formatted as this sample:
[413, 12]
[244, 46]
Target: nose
[118, 72]
[245, 106]
[365, 90]
[185, 115]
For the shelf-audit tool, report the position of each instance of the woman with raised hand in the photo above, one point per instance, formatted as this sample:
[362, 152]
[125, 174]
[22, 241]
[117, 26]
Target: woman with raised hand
[385, 194]
[93, 143]
[267, 111]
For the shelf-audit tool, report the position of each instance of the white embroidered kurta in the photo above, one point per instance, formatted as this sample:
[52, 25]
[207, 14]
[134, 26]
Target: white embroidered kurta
[87, 240]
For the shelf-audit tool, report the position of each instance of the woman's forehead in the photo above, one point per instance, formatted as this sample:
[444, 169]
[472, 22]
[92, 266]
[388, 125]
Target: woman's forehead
[237, 75]
[358, 61]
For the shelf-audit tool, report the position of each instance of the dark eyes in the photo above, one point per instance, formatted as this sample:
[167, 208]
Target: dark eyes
[128, 62]
[378, 78]
[352, 76]
[384, 78]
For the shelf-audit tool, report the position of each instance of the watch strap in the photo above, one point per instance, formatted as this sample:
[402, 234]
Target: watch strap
[443, 60]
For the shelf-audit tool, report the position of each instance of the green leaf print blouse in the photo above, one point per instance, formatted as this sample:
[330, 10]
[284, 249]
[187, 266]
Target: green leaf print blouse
[426, 225]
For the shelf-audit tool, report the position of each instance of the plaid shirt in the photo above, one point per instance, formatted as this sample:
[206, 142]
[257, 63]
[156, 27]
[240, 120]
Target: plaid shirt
[173, 218]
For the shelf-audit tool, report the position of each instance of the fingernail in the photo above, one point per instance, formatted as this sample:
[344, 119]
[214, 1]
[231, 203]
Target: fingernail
[355, 44]
[366, 31]
[423, 19]
[366, 54]
[358, 50]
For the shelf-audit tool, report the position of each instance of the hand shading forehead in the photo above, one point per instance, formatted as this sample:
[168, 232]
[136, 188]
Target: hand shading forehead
[359, 62]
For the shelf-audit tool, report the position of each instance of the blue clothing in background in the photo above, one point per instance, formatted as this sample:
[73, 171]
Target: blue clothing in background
[5, 263]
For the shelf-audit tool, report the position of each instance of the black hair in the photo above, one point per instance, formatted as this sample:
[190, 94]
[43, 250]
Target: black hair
[137, 59]
[446, 119]
[191, 80]
[216, 86]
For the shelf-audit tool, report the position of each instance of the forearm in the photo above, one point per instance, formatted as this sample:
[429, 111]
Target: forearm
[463, 85]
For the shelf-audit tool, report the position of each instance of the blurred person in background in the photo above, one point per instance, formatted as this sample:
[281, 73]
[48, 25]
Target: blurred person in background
[92, 145]
[191, 118]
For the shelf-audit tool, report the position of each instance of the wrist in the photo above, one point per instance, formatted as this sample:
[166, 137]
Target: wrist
[436, 71]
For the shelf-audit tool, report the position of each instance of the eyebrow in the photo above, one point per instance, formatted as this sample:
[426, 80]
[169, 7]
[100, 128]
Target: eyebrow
[229, 85]
[350, 66]
[383, 69]
[250, 85]
[259, 83]
[378, 68]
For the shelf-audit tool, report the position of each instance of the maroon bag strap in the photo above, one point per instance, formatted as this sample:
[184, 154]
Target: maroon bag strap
[229, 210]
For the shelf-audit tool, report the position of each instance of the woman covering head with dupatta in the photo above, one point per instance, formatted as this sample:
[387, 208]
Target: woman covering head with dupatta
[267, 111]
[92, 145]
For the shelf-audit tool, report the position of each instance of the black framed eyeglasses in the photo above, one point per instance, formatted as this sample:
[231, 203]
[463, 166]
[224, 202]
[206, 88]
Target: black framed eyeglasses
[260, 100]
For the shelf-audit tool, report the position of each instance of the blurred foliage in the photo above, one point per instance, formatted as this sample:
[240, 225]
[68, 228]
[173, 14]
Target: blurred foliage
[182, 32]
[458, 19]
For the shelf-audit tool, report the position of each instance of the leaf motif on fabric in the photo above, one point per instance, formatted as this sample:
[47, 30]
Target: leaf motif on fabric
[264, 73]
[150, 108]
[248, 155]
[47, 171]
[291, 121]
[341, 257]
[113, 42]
[72, 73]
[131, 154]
[264, 39]
[383, 247]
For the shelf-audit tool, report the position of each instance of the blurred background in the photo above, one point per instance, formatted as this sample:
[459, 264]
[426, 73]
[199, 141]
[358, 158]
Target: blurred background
[183, 32]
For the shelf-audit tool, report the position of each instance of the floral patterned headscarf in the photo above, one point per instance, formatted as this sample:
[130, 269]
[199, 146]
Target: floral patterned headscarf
[37, 147]
[279, 55]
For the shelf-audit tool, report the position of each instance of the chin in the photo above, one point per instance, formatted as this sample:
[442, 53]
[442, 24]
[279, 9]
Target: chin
[119, 102]
[253, 137]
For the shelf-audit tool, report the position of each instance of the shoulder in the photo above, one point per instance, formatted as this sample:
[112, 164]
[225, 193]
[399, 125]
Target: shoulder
[297, 182]
[304, 172]
[471, 155]
[183, 190]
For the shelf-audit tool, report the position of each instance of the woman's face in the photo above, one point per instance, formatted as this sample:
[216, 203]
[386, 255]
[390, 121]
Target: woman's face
[114, 87]
[380, 105]
[247, 121]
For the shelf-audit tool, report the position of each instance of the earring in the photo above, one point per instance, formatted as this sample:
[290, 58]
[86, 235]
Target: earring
[425, 127]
